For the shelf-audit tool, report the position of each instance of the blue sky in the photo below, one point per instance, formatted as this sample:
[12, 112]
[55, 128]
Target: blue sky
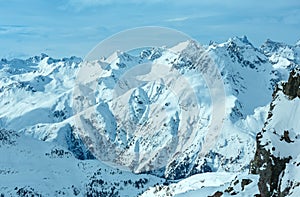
[73, 27]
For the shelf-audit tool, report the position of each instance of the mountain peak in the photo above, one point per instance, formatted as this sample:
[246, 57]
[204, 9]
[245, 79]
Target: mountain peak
[292, 87]
[183, 45]
[270, 42]
[240, 41]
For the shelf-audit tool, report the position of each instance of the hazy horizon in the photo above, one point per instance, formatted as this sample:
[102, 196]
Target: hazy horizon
[74, 27]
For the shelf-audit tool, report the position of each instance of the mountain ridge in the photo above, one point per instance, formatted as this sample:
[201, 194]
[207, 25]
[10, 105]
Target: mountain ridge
[26, 83]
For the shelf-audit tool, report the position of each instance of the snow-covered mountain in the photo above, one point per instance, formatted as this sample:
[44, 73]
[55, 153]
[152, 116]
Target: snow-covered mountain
[133, 122]
[277, 153]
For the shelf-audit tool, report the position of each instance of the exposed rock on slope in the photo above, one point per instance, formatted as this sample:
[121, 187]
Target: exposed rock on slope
[291, 88]
[277, 153]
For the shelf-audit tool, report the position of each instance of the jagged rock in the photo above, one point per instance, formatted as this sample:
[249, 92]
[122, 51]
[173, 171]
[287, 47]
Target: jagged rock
[291, 88]
[286, 137]
[7, 137]
[217, 194]
[245, 182]
[266, 163]
[269, 168]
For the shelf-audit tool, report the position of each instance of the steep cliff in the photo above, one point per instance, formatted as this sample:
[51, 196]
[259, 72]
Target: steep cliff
[277, 153]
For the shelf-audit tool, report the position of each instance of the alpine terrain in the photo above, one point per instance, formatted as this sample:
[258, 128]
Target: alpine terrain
[189, 120]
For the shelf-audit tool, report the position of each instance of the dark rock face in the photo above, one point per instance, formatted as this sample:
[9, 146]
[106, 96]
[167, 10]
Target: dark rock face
[178, 170]
[268, 166]
[217, 194]
[77, 147]
[245, 182]
[291, 88]
[7, 137]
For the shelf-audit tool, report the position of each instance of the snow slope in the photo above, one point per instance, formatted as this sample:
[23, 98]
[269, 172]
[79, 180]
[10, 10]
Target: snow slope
[32, 167]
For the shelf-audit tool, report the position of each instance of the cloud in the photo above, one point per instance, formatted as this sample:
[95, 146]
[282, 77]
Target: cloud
[82, 4]
[177, 19]
[73, 27]
[14, 29]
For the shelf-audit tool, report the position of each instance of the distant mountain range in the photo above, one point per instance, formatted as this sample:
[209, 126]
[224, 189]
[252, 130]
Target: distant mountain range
[140, 124]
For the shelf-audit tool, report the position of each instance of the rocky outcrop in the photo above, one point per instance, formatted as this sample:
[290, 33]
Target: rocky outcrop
[269, 169]
[268, 162]
[291, 88]
[7, 137]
